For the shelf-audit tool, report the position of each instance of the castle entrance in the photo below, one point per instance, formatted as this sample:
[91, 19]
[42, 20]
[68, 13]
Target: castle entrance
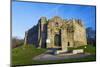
[57, 40]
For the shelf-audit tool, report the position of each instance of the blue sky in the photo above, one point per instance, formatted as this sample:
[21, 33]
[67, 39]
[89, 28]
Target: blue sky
[26, 14]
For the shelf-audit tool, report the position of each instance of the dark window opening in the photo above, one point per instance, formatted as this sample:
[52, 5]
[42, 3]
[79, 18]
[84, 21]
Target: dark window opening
[68, 44]
[56, 24]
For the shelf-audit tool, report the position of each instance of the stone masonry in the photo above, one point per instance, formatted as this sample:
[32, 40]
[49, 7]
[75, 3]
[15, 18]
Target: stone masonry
[57, 33]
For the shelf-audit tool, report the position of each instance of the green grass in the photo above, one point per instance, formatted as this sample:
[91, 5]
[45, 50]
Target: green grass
[23, 55]
[88, 49]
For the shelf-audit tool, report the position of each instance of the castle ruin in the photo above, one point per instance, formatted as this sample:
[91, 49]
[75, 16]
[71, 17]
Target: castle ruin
[57, 33]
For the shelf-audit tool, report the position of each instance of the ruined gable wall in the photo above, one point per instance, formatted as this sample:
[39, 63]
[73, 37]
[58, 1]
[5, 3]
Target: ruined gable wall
[79, 35]
[54, 25]
[70, 33]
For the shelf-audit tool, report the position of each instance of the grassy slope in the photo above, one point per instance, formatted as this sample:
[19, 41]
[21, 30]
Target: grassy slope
[88, 49]
[24, 56]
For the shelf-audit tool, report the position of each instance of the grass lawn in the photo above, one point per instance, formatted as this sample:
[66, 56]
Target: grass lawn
[88, 49]
[24, 56]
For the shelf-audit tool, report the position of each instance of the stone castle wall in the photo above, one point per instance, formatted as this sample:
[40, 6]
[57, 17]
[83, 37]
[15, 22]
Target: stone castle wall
[79, 35]
[59, 33]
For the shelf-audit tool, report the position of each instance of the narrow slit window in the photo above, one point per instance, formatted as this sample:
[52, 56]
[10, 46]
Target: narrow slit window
[68, 43]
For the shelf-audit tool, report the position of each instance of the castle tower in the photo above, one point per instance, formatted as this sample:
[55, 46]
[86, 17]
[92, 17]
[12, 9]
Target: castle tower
[42, 32]
[25, 39]
[79, 33]
[54, 32]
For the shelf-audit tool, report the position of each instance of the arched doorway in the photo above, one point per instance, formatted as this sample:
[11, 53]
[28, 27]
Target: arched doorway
[57, 40]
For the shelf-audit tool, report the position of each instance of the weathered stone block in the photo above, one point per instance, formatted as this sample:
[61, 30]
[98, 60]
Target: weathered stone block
[78, 51]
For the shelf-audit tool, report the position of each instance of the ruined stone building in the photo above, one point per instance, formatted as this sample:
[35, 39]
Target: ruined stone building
[56, 33]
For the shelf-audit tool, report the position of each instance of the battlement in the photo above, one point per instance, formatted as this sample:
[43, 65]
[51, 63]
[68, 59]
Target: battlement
[45, 20]
[79, 22]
